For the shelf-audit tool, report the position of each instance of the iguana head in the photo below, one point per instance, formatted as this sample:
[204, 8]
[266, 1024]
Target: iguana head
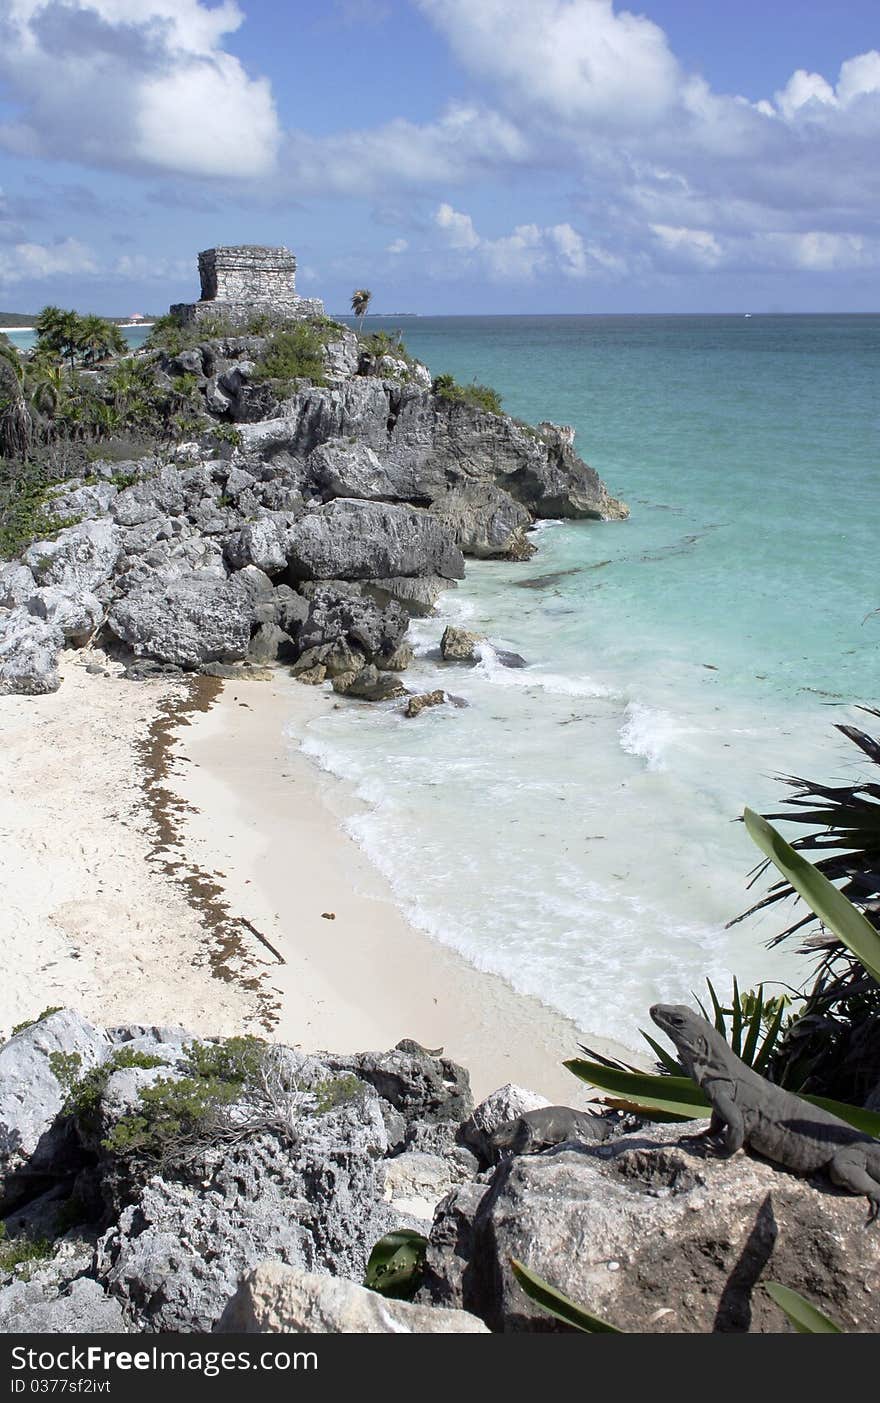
[695, 1039]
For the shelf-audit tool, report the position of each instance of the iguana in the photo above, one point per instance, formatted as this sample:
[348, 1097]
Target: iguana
[750, 1110]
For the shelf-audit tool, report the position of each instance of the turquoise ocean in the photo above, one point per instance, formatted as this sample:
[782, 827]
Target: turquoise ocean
[574, 828]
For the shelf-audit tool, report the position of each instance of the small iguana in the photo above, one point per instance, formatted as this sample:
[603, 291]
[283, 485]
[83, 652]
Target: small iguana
[750, 1110]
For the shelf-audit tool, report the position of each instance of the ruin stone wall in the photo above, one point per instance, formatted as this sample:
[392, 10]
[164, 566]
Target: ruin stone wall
[238, 281]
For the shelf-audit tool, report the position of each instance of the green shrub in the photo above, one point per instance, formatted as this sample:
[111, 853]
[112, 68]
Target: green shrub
[30, 1022]
[337, 1091]
[23, 1251]
[479, 396]
[178, 1113]
[290, 354]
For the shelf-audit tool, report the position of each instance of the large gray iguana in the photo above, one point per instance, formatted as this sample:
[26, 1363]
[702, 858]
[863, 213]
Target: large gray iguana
[749, 1110]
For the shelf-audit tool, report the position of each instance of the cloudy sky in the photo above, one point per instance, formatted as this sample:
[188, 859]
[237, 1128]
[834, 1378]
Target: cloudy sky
[452, 155]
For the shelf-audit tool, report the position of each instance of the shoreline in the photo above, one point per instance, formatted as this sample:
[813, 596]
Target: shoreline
[168, 856]
[268, 824]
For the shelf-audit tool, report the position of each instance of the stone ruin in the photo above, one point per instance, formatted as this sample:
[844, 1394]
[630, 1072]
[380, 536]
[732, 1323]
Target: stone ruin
[243, 280]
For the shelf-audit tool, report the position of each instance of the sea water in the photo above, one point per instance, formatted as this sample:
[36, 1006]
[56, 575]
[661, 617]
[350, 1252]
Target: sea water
[574, 828]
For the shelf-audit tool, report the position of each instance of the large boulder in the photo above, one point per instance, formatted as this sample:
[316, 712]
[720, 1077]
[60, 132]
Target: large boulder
[79, 558]
[76, 615]
[17, 584]
[29, 649]
[655, 1236]
[195, 618]
[277, 1299]
[36, 1068]
[86, 501]
[430, 1092]
[339, 613]
[354, 540]
[263, 543]
[340, 468]
[485, 522]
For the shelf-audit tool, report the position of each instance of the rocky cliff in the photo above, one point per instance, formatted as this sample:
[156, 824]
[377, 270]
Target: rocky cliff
[305, 519]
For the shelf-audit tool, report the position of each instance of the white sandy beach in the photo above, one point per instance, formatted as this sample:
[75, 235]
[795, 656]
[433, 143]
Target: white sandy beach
[160, 868]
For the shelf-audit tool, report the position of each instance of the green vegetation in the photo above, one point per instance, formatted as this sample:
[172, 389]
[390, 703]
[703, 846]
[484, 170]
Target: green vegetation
[479, 396]
[396, 1263]
[89, 339]
[181, 1113]
[292, 354]
[336, 1092]
[23, 1251]
[31, 1022]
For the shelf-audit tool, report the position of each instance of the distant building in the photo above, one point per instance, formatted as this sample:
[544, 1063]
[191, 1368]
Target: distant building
[247, 278]
[135, 318]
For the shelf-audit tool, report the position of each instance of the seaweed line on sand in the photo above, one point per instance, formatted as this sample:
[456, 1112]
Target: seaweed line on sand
[227, 951]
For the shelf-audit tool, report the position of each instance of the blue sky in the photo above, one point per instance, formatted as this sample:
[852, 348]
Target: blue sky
[452, 155]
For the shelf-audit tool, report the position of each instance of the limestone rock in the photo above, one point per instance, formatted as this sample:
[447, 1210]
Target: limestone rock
[415, 1183]
[17, 584]
[87, 501]
[176, 1254]
[56, 1300]
[655, 1237]
[417, 594]
[277, 1299]
[416, 705]
[353, 540]
[262, 543]
[195, 618]
[399, 660]
[76, 615]
[79, 558]
[338, 613]
[424, 1087]
[31, 1097]
[485, 522]
[312, 676]
[29, 649]
[369, 684]
[458, 644]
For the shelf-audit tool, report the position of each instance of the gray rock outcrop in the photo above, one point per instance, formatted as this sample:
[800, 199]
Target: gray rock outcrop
[653, 1236]
[350, 539]
[34, 1143]
[276, 1299]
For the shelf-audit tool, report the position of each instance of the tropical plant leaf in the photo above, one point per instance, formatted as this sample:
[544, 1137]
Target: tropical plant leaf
[831, 906]
[682, 1099]
[806, 1318]
[678, 1097]
[395, 1264]
[555, 1303]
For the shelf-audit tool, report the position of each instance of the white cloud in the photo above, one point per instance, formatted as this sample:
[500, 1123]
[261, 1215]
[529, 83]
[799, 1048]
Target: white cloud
[576, 59]
[802, 90]
[465, 143]
[397, 246]
[135, 83]
[26, 261]
[529, 251]
[697, 246]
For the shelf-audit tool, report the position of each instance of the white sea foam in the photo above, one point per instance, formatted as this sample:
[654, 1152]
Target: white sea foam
[493, 670]
[650, 733]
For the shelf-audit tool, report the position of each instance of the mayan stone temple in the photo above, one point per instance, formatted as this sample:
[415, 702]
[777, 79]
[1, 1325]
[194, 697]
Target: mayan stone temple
[248, 278]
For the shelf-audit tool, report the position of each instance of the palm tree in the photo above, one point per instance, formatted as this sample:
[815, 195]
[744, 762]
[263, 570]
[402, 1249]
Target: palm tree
[59, 330]
[15, 418]
[360, 301]
[99, 339]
